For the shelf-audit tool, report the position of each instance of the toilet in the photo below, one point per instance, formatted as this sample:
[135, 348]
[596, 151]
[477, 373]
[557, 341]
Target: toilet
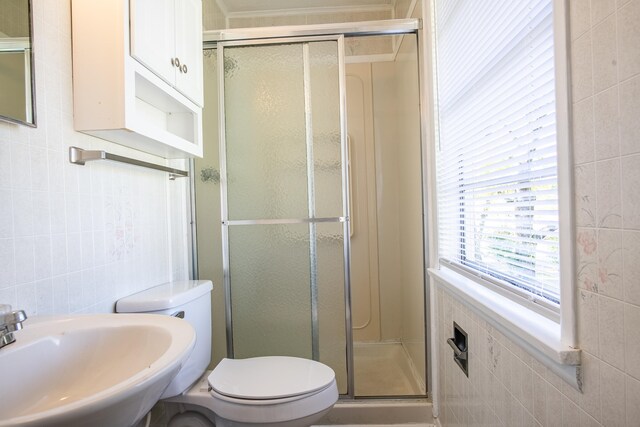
[266, 391]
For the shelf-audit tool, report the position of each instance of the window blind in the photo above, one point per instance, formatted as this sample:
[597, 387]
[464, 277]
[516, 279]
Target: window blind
[496, 155]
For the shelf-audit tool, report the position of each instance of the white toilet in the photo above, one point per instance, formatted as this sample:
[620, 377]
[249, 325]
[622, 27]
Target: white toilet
[261, 391]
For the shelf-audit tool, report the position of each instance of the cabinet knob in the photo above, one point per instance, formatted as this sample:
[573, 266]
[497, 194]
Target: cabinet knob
[184, 68]
[175, 62]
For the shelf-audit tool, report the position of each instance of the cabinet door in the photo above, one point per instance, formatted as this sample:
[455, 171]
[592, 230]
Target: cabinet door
[189, 49]
[153, 36]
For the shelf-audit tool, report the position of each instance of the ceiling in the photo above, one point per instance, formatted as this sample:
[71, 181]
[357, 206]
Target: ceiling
[248, 6]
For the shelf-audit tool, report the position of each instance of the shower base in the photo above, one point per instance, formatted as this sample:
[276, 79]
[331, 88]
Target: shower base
[385, 369]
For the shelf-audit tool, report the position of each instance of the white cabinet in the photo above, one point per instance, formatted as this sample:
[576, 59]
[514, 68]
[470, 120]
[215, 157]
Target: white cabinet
[126, 89]
[189, 78]
[163, 33]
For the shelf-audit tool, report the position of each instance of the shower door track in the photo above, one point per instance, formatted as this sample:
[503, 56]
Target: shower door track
[347, 29]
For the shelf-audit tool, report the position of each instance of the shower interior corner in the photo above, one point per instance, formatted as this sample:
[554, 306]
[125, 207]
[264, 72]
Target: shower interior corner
[386, 237]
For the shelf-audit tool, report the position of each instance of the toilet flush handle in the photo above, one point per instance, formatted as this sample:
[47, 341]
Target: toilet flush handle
[179, 314]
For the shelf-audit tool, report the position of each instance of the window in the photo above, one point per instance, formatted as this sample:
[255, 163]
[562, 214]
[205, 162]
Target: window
[497, 144]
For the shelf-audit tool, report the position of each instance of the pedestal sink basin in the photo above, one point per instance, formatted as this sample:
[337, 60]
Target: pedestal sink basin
[90, 370]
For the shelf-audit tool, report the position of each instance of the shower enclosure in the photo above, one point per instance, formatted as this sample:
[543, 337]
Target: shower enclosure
[320, 185]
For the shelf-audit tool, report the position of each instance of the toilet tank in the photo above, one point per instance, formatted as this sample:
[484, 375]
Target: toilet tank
[190, 300]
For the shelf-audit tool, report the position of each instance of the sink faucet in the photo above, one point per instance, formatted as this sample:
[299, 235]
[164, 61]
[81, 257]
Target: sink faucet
[10, 321]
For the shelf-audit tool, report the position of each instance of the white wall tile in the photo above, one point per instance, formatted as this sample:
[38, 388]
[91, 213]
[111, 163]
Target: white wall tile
[58, 254]
[53, 250]
[539, 399]
[628, 40]
[21, 166]
[633, 401]
[611, 328]
[588, 421]
[608, 204]
[629, 113]
[600, 9]
[612, 396]
[39, 169]
[610, 267]
[570, 413]
[6, 214]
[554, 406]
[41, 203]
[24, 260]
[583, 132]
[605, 73]
[590, 399]
[60, 286]
[9, 296]
[630, 193]
[581, 68]
[631, 266]
[632, 339]
[587, 255]
[580, 18]
[607, 142]
[44, 297]
[5, 163]
[7, 266]
[42, 253]
[27, 299]
[22, 213]
[585, 195]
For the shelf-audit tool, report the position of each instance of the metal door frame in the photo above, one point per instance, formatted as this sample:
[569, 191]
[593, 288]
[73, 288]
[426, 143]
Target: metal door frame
[301, 33]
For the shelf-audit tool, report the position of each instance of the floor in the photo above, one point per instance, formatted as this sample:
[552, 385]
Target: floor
[373, 425]
[384, 369]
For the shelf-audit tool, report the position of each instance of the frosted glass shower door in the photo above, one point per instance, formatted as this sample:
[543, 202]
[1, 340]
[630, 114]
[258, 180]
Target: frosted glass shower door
[283, 191]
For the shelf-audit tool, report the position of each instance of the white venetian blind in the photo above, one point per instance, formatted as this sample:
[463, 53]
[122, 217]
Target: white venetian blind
[496, 157]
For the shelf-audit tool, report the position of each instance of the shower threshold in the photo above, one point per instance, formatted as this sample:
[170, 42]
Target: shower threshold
[378, 412]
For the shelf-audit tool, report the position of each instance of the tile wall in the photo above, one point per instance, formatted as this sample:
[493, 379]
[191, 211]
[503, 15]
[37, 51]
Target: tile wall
[506, 386]
[76, 238]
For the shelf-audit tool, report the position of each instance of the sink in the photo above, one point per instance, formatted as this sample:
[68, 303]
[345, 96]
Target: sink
[90, 370]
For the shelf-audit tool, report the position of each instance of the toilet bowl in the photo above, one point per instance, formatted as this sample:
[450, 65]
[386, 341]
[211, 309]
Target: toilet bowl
[262, 391]
[265, 391]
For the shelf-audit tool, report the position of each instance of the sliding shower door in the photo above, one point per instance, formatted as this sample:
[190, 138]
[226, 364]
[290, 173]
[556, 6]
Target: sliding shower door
[284, 216]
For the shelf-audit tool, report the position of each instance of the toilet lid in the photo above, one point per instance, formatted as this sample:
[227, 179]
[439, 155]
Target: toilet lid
[271, 377]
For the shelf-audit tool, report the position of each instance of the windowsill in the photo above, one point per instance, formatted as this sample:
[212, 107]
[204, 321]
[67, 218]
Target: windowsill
[535, 333]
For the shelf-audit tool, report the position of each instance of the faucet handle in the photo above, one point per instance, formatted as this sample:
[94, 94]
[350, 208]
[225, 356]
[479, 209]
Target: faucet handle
[14, 320]
[10, 321]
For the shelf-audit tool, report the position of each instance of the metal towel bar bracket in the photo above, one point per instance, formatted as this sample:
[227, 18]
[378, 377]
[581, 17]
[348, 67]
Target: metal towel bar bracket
[79, 156]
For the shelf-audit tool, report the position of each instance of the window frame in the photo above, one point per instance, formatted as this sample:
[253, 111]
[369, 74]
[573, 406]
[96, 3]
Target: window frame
[564, 316]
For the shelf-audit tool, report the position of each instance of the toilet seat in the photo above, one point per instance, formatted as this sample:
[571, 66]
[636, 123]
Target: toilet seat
[269, 378]
[271, 389]
[270, 411]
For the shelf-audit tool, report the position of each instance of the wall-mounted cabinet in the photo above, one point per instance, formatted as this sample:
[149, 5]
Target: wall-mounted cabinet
[137, 73]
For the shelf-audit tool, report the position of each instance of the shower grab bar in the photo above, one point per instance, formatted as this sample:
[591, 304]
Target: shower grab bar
[79, 156]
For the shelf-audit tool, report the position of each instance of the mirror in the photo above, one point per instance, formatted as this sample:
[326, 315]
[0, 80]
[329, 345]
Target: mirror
[17, 97]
